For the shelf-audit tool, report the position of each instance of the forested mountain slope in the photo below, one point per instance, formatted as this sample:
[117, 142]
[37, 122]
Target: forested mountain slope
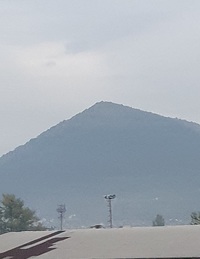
[150, 162]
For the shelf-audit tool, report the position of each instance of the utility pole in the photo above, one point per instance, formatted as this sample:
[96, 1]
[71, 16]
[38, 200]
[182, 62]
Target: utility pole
[109, 199]
[61, 210]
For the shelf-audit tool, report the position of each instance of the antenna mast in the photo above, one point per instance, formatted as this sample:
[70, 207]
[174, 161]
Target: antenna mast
[61, 210]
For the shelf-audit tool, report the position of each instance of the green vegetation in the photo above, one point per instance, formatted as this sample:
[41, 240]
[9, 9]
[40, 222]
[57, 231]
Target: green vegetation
[195, 218]
[158, 221]
[15, 217]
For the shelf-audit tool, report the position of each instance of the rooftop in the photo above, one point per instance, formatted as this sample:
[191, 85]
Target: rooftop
[139, 242]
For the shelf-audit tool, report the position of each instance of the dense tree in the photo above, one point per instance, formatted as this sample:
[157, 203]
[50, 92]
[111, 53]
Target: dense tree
[195, 218]
[158, 221]
[2, 225]
[14, 216]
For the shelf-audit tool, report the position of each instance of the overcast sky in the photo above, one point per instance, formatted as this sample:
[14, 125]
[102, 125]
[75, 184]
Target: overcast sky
[59, 57]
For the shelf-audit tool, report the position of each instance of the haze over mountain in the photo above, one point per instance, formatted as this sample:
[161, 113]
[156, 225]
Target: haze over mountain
[150, 162]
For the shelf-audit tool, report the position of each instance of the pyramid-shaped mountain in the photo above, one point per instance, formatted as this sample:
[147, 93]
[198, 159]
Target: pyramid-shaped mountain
[150, 162]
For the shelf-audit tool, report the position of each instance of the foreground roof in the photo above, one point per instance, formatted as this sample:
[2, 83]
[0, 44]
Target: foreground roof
[138, 242]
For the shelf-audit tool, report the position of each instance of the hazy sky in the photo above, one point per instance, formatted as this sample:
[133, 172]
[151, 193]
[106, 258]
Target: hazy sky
[60, 57]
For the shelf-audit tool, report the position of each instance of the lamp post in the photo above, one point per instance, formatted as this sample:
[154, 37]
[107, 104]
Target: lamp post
[109, 199]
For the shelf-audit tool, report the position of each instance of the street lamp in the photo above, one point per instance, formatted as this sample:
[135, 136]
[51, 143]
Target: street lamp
[109, 198]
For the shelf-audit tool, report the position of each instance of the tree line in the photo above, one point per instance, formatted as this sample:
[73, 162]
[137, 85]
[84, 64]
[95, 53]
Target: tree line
[160, 221]
[15, 216]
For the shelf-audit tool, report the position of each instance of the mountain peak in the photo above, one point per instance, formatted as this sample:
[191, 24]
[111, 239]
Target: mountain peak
[105, 109]
[108, 148]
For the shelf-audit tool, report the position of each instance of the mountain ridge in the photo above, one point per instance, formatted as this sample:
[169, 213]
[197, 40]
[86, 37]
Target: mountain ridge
[62, 124]
[109, 148]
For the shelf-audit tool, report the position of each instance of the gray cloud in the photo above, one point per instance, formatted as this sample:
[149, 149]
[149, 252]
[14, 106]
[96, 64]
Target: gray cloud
[58, 58]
